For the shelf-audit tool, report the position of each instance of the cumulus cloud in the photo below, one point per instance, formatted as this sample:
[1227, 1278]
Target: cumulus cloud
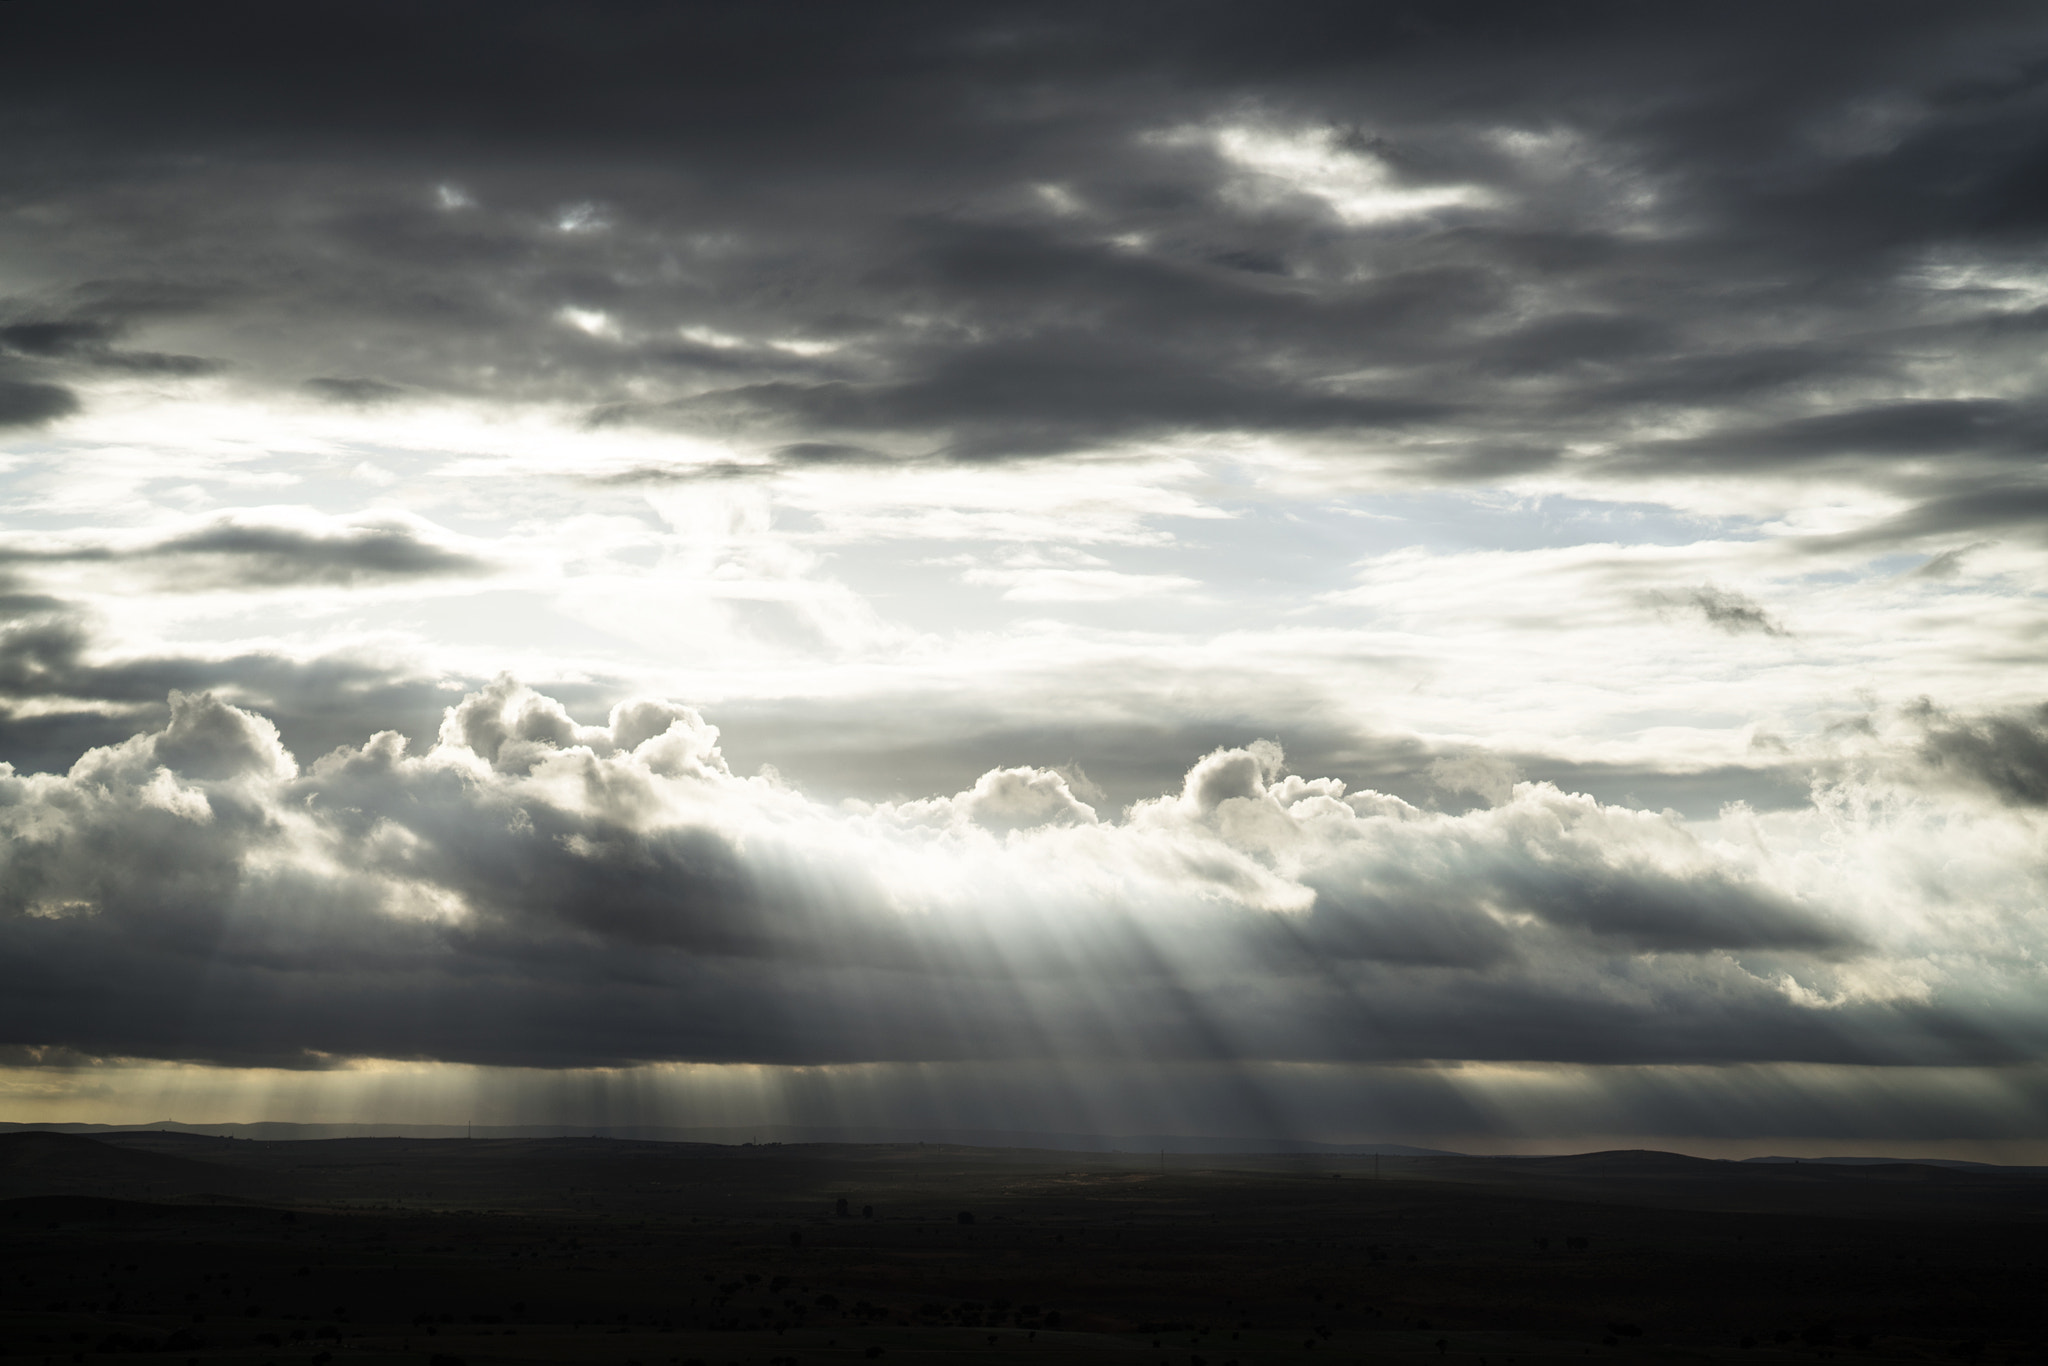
[1007, 799]
[66, 691]
[1484, 775]
[538, 890]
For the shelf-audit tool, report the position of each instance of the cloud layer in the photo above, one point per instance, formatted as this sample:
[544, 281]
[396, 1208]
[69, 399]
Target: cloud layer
[1464, 532]
[1614, 243]
[534, 890]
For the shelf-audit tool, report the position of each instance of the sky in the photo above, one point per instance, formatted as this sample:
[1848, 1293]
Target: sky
[1452, 572]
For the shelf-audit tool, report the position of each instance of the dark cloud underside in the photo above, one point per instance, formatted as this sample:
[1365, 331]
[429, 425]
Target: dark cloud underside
[1009, 230]
[494, 915]
[246, 555]
[24, 404]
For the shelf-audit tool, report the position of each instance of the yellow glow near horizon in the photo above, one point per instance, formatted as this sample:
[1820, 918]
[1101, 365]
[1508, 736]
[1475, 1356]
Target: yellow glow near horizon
[1482, 1108]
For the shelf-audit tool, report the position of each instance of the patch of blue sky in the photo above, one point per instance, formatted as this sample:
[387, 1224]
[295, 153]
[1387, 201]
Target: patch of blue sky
[1443, 521]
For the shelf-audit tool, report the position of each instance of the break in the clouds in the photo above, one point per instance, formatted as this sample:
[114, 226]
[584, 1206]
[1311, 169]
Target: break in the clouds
[1346, 535]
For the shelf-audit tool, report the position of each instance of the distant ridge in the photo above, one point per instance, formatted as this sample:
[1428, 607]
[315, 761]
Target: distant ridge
[277, 1131]
[33, 1163]
[1608, 1163]
[1952, 1163]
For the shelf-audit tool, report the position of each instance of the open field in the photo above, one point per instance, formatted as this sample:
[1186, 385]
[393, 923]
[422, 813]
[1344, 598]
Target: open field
[155, 1247]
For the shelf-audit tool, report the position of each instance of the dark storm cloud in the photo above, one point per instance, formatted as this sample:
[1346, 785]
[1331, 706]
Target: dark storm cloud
[1013, 230]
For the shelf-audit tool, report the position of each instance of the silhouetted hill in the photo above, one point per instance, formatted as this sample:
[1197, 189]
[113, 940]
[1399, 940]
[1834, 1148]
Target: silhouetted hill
[589, 1250]
[1951, 1163]
[1675, 1181]
[43, 1164]
[1622, 1162]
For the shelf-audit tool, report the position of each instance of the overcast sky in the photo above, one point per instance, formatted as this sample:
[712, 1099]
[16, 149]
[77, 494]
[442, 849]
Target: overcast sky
[1157, 567]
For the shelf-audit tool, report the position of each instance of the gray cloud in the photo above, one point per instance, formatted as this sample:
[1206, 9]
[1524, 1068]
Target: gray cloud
[354, 391]
[278, 555]
[992, 231]
[1948, 563]
[242, 554]
[2004, 755]
[26, 403]
[67, 696]
[1725, 609]
[1987, 428]
[656, 475]
[538, 891]
[1991, 505]
[1734, 612]
[89, 341]
[58, 338]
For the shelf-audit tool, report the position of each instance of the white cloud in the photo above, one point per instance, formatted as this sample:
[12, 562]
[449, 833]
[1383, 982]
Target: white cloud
[528, 850]
[1060, 583]
[1278, 166]
[583, 216]
[592, 322]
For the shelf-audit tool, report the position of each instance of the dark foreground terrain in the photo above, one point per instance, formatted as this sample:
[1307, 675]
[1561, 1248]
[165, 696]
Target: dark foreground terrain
[172, 1248]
